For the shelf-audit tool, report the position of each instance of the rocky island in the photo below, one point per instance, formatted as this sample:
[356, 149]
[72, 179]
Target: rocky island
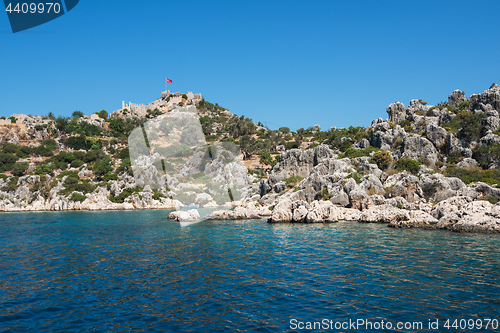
[424, 166]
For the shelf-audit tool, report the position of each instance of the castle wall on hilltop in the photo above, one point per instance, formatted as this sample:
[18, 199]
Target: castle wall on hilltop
[164, 103]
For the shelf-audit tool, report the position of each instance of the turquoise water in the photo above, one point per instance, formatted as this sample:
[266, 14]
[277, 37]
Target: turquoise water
[139, 272]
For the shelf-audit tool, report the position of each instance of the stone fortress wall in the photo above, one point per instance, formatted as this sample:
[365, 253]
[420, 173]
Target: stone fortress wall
[166, 101]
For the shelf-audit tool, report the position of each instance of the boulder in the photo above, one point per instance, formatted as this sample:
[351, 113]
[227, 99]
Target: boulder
[319, 211]
[396, 112]
[279, 187]
[466, 163]
[407, 187]
[299, 214]
[445, 116]
[282, 212]
[455, 98]
[438, 187]
[479, 190]
[416, 147]
[184, 216]
[448, 206]
[382, 140]
[415, 219]
[339, 197]
[490, 96]
[490, 123]
[437, 135]
[383, 214]
[475, 216]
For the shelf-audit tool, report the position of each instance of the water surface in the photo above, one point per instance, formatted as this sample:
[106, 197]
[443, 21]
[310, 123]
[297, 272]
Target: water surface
[136, 271]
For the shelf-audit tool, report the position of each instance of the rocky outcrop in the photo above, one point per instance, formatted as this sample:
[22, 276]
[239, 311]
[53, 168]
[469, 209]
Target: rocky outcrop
[438, 187]
[455, 98]
[466, 163]
[475, 216]
[245, 211]
[296, 162]
[437, 135]
[314, 212]
[184, 216]
[416, 147]
[489, 97]
[396, 112]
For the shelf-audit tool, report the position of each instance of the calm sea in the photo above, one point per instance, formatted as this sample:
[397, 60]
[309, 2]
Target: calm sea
[139, 272]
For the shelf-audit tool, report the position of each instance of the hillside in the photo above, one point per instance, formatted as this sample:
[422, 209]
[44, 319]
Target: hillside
[418, 158]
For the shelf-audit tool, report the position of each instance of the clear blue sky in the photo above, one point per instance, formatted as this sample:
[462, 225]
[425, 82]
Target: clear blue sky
[287, 63]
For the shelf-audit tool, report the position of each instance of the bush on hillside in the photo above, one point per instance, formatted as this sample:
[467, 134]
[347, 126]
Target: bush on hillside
[75, 196]
[353, 152]
[475, 174]
[20, 169]
[408, 164]
[7, 162]
[103, 166]
[383, 159]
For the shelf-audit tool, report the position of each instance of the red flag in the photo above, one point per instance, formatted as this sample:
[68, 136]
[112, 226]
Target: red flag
[169, 81]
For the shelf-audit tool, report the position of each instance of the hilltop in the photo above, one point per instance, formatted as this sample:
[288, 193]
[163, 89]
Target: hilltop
[418, 160]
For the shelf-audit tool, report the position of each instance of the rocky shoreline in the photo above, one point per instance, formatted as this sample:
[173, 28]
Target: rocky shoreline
[430, 167]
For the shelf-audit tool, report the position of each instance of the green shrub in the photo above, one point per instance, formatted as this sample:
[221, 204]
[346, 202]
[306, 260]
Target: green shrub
[485, 154]
[43, 151]
[408, 164]
[467, 125]
[76, 164]
[10, 148]
[355, 134]
[399, 205]
[125, 194]
[240, 126]
[20, 169]
[292, 181]
[267, 158]
[405, 122]
[454, 157]
[124, 153]
[102, 114]
[7, 162]
[24, 151]
[356, 176]
[125, 165]
[79, 142]
[292, 145]
[49, 144]
[158, 195]
[463, 105]
[492, 200]
[45, 168]
[324, 195]
[11, 184]
[353, 152]
[110, 176]
[383, 159]
[73, 184]
[77, 114]
[475, 174]
[71, 181]
[75, 196]
[103, 166]
[345, 145]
